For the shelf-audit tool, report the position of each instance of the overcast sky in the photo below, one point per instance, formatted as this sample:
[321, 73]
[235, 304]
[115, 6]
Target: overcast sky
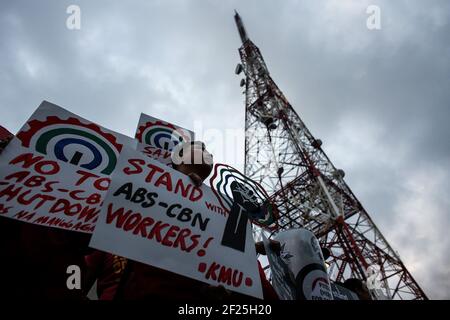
[380, 99]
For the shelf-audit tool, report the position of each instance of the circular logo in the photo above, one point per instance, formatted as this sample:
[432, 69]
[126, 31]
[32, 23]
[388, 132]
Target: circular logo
[74, 142]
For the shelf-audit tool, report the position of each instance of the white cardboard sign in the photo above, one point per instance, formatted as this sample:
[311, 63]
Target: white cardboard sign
[56, 170]
[160, 155]
[155, 215]
[160, 134]
[282, 281]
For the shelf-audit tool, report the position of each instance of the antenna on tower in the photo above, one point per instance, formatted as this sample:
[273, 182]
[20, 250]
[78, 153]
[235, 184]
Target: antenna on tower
[240, 26]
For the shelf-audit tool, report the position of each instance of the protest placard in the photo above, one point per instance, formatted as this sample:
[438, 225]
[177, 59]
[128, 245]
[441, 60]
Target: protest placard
[156, 138]
[56, 171]
[160, 155]
[283, 280]
[161, 134]
[227, 181]
[156, 215]
[301, 252]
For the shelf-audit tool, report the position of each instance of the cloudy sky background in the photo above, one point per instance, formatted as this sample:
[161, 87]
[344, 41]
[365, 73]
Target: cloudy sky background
[380, 100]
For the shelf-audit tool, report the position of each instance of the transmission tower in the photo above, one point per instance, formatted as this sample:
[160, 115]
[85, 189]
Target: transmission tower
[285, 158]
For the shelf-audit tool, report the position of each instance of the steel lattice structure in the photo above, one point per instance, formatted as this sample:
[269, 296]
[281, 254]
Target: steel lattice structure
[284, 157]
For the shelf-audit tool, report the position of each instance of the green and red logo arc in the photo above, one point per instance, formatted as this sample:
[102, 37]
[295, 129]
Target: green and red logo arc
[103, 147]
[162, 135]
[220, 183]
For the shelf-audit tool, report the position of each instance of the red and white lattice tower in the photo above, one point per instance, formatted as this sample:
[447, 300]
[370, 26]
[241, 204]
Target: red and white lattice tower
[285, 158]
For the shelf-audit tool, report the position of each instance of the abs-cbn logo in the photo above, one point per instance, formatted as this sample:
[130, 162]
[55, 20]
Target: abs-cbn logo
[372, 275]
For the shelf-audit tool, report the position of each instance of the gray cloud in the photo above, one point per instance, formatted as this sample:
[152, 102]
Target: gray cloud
[378, 99]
